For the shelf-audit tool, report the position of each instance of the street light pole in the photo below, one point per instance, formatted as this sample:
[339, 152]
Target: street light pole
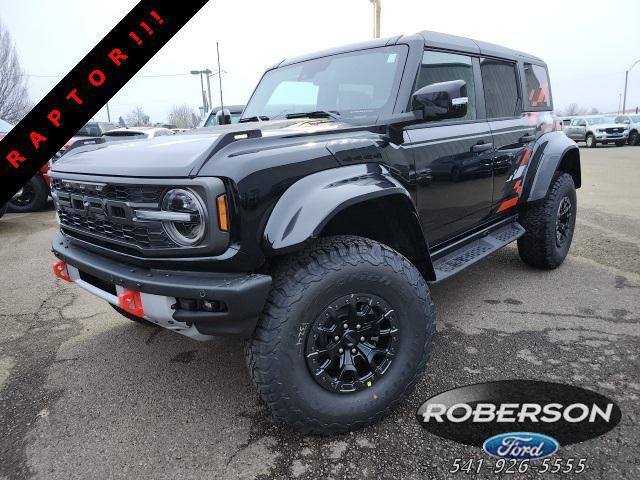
[377, 12]
[204, 96]
[626, 80]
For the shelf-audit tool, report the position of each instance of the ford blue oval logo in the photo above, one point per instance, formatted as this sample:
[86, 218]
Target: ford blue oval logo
[521, 446]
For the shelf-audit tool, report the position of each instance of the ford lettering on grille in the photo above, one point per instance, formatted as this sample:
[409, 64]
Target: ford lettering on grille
[107, 211]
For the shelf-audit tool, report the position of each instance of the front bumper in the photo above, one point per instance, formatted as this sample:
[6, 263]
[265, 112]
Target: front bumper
[242, 295]
[611, 137]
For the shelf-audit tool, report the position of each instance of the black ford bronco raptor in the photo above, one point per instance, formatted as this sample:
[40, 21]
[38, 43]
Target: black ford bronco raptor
[312, 228]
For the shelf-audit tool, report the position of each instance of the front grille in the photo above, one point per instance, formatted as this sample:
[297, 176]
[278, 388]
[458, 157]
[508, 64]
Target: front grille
[106, 212]
[121, 192]
[142, 236]
[615, 130]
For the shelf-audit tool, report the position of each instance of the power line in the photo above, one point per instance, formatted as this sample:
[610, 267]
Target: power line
[135, 76]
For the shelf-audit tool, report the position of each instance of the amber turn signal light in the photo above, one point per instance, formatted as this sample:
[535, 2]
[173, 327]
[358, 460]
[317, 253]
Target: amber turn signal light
[223, 215]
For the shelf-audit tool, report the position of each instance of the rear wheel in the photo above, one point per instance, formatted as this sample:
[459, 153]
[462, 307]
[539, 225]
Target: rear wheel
[550, 225]
[31, 197]
[344, 335]
[590, 141]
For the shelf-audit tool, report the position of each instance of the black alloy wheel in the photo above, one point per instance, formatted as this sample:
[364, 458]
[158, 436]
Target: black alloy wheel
[352, 343]
[564, 222]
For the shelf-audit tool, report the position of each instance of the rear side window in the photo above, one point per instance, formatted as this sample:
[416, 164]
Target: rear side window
[443, 67]
[500, 88]
[537, 83]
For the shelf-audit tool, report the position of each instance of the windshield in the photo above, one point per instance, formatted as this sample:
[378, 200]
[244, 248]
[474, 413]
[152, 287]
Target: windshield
[355, 84]
[599, 120]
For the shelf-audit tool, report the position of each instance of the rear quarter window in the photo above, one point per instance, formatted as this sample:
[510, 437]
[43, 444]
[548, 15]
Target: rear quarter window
[537, 86]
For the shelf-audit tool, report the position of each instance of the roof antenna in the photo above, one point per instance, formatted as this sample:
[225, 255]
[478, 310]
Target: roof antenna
[220, 80]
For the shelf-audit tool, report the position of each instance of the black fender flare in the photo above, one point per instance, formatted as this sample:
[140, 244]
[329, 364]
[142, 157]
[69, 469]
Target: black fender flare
[308, 205]
[554, 148]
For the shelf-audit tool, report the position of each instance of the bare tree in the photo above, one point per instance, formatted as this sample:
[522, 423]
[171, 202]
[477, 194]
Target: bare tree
[14, 97]
[137, 117]
[594, 111]
[181, 116]
[574, 109]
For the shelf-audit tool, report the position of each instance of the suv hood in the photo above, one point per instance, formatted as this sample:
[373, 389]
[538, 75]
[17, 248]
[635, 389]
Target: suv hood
[180, 155]
[602, 126]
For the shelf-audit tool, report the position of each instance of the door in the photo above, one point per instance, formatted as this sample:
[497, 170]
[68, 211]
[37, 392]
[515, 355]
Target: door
[578, 129]
[453, 159]
[512, 132]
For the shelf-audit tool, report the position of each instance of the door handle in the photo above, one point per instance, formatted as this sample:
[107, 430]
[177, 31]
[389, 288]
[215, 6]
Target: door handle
[527, 138]
[481, 147]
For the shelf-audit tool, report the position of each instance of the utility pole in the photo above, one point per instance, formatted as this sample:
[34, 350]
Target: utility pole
[220, 78]
[619, 102]
[208, 72]
[377, 12]
[108, 113]
[626, 80]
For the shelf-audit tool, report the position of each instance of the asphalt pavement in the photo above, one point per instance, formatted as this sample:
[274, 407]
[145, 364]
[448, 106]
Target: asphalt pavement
[87, 394]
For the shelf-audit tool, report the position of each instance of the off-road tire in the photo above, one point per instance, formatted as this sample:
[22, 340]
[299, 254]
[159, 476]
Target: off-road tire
[132, 317]
[303, 284]
[538, 247]
[590, 140]
[38, 196]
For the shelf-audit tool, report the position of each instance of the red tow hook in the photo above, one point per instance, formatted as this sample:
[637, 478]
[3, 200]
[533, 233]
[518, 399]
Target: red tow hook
[60, 271]
[130, 301]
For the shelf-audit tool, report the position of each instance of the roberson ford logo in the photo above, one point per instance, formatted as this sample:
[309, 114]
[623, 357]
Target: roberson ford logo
[521, 446]
[519, 419]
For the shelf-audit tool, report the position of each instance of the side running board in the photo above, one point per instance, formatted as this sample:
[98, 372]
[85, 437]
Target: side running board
[470, 253]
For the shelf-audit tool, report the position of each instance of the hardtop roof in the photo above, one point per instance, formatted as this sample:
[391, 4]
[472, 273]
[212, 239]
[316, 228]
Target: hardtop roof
[431, 39]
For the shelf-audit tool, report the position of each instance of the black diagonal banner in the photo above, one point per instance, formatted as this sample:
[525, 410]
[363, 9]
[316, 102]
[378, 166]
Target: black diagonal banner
[88, 87]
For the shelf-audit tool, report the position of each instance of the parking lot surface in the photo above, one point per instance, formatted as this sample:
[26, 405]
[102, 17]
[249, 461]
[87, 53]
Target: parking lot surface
[85, 393]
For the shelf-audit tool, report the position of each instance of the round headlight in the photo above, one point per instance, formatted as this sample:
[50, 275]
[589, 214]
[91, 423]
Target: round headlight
[192, 228]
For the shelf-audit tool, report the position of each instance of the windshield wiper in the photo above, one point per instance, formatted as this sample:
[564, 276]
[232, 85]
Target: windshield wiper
[317, 114]
[261, 118]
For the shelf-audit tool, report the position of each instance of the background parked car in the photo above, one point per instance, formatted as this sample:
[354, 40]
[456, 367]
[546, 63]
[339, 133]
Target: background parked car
[96, 129]
[597, 129]
[137, 132]
[35, 193]
[233, 113]
[633, 122]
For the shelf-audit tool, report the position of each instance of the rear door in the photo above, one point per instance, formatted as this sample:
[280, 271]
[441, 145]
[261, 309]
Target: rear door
[453, 159]
[513, 133]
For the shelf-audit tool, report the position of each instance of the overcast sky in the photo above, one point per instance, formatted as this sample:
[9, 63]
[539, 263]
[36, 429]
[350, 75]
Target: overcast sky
[588, 45]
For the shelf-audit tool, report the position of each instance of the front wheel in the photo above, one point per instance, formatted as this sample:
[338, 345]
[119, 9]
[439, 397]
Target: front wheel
[549, 225]
[591, 141]
[344, 335]
[634, 138]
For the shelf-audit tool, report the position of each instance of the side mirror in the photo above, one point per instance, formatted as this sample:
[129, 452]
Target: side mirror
[443, 100]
